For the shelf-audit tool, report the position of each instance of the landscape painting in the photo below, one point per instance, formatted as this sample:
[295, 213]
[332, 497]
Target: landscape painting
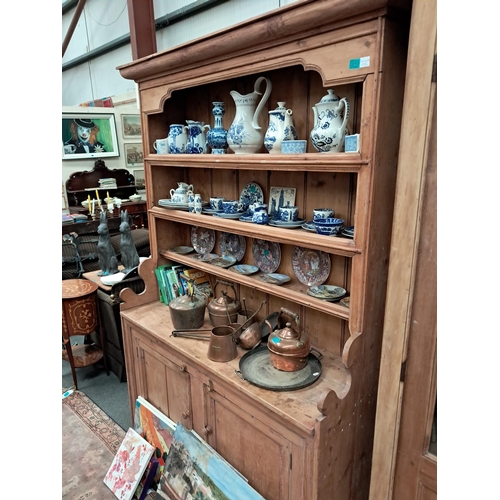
[194, 470]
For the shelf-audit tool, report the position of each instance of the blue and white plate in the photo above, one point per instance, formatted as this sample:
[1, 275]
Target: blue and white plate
[246, 218]
[329, 293]
[223, 215]
[223, 261]
[183, 250]
[210, 211]
[274, 278]
[289, 224]
[245, 269]
[204, 257]
[251, 193]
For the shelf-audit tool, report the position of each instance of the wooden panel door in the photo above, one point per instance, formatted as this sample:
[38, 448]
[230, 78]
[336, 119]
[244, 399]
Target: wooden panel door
[403, 466]
[416, 460]
[241, 438]
[165, 384]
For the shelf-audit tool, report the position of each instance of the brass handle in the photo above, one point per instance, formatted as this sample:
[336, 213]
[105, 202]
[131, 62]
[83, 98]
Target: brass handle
[207, 430]
[185, 414]
[182, 368]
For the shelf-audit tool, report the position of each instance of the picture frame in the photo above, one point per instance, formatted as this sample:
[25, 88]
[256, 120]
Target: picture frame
[133, 154]
[131, 126]
[140, 179]
[280, 197]
[100, 139]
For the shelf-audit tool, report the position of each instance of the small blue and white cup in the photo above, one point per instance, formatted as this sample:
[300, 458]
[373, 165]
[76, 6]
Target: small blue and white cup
[288, 214]
[232, 206]
[216, 203]
[323, 213]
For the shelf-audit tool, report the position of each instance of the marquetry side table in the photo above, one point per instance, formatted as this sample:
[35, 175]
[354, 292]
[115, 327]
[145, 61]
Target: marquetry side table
[80, 316]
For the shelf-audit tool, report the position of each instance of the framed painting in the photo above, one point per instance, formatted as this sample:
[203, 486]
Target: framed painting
[133, 154]
[86, 136]
[140, 179]
[131, 126]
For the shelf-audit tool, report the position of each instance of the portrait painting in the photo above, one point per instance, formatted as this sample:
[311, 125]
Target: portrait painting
[88, 136]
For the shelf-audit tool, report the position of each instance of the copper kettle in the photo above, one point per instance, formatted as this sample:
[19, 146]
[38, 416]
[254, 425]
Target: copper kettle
[288, 348]
[223, 310]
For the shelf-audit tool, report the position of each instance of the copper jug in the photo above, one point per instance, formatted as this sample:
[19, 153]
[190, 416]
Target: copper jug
[222, 346]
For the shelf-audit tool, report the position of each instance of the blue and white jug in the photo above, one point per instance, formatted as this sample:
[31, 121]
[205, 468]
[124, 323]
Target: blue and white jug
[280, 128]
[196, 142]
[177, 138]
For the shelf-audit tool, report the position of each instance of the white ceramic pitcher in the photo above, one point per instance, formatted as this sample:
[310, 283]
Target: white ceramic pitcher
[245, 134]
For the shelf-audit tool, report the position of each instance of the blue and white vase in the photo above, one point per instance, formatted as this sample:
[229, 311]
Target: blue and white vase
[217, 136]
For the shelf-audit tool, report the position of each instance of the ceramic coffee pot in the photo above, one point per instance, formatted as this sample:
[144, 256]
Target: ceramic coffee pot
[245, 134]
[280, 128]
[330, 120]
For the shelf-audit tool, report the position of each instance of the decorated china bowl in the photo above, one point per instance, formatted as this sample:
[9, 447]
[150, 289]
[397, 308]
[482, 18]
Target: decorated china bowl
[135, 197]
[329, 226]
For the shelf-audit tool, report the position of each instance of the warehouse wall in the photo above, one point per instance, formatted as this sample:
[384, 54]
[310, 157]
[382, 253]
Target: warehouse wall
[103, 23]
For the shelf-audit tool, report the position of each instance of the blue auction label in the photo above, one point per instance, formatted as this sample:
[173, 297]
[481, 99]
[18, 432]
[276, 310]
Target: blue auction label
[360, 62]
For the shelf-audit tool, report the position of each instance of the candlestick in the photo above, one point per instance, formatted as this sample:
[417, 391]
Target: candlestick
[98, 200]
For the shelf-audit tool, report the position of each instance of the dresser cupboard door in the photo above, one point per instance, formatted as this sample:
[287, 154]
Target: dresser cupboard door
[258, 452]
[165, 384]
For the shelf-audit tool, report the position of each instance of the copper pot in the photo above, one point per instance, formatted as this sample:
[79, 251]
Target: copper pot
[223, 310]
[188, 311]
[288, 350]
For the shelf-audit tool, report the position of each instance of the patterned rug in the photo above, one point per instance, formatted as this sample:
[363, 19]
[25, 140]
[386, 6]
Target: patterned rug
[90, 440]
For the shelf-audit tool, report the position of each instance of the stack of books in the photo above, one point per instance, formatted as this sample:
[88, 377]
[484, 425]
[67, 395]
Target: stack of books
[107, 183]
[171, 283]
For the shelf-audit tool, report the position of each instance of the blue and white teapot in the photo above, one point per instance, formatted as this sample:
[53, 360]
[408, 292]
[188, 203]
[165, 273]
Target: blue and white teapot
[330, 123]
